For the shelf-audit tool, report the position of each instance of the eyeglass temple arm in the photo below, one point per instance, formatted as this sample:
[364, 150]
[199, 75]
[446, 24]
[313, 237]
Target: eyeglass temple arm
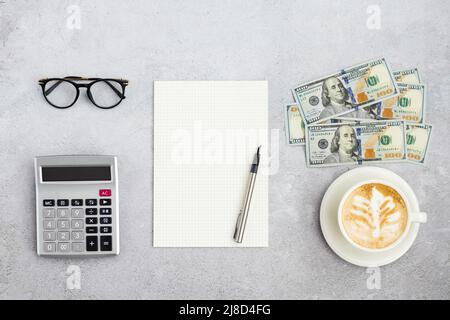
[53, 87]
[115, 90]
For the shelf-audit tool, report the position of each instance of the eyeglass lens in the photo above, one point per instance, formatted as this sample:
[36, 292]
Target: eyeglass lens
[106, 93]
[60, 93]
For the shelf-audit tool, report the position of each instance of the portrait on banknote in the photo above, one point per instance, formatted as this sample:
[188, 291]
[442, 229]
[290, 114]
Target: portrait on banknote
[343, 146]
[336, 100]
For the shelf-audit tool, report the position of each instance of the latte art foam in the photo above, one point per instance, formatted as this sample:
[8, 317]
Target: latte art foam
[374, 216]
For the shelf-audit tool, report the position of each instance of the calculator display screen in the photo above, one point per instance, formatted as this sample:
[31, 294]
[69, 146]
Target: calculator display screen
[53, 174]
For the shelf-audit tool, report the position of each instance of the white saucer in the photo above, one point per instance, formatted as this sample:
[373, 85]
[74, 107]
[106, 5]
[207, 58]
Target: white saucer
[330, 226]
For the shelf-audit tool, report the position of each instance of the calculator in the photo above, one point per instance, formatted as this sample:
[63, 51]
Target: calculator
[77, 205]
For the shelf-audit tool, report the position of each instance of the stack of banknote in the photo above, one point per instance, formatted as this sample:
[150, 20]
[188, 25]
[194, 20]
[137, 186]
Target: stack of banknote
[365, 113]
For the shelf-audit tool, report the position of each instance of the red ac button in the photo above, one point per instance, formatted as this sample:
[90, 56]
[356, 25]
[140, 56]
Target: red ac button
[104, 192]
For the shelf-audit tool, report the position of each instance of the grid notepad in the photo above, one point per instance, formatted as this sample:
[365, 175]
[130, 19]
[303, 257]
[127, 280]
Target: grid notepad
[205, 136]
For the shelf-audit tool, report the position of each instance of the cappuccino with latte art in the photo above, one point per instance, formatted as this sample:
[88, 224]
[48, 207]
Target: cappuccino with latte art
[374, 215]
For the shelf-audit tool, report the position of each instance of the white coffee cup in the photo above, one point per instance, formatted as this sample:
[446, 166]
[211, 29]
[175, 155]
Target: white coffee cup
[412, 216]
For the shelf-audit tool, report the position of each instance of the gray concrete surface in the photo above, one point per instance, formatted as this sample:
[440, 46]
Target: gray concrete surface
[285, 42]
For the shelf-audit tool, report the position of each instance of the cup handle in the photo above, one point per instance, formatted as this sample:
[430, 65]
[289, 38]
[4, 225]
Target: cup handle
[420, 217]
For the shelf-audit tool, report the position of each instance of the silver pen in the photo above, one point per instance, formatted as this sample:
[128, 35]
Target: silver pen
[243, 214]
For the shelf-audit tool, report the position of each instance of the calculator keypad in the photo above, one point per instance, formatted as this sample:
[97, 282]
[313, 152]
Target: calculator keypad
[75, 225]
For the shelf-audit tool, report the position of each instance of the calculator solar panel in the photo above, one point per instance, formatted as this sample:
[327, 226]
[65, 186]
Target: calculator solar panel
[77, 205]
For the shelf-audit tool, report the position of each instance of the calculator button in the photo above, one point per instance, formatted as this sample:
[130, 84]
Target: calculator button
[105, 220]
[77, 213]
[91, 243]
[91, 229]
[63, 236]
[49, 235]
[77, 235]
[49, 224]
[105, 229]
[91, 202]
[63, 213]
[77, 202]
[63, 247]
[63, 224]
[48, 213]
[106, 243]
[62, 202]
[105, 210]
[49, 203]
[77, 224]
[105, 202]
[104, 192]
[49, 247]
[91, 211]
[91, 220]
[77, 246]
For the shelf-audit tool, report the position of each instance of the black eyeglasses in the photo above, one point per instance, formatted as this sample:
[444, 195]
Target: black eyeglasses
[62, 93]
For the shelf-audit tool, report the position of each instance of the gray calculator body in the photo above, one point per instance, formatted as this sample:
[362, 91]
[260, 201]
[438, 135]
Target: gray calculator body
[77, 205]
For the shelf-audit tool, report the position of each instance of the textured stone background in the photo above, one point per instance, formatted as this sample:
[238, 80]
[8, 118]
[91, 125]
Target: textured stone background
[285, 42]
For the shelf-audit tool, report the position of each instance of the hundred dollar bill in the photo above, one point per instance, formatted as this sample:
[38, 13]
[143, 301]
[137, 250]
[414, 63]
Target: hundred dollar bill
[294, 127]
[409, 105]
[417, 141]
[407, 76]
[345, 92]
[355, 143]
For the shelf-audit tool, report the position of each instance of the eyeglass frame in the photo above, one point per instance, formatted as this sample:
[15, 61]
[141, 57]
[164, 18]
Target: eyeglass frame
[71, 79]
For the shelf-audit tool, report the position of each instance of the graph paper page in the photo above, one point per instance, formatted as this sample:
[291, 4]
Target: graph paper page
[205, 136]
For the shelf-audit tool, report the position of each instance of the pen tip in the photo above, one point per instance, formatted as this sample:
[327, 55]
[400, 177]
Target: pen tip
[257, 155]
